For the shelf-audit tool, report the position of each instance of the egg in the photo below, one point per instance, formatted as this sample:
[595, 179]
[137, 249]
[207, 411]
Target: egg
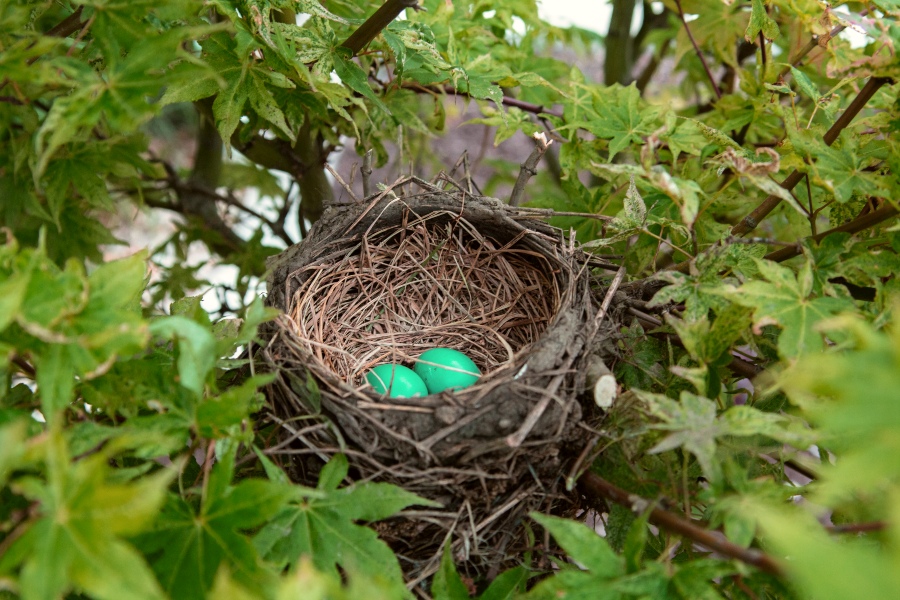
[397, 381]
[446, 369]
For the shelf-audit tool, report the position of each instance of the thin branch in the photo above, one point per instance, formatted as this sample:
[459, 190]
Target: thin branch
[528, 107]
[814, 42]
[858, 527]
[749, 223]
[594, 485]
[67, 26]
[687, 29]
[366, 172]
[528, 168]
[738, 366]
[855, 226]
[382, 17]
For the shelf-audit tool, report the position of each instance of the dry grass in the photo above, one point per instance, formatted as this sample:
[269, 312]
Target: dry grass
[422, 286]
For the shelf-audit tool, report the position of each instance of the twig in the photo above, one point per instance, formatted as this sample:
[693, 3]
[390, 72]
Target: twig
[749, 223]
[858, 527]
[856, 225]
[737, 365]
[706, 68]
[341, 181]
[382, 17]
[528, 168]
[67, 26]
[528, 107]
[63, 29]
[813, 42]
[592, 484]
[366, 172]
[805, 471]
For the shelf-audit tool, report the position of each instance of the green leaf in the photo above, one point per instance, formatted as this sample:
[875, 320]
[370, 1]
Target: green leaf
[351, 74]
[188, 546]
[622, 117]
[760, 21]
[850, 394]
[841, 169]
[216, 415]
[507, 585]
[584, 545]
[865, 571]
[55, 379]
[321, 525]
[75, 543]
[246, 82]
[784, 300]
[447, 584]
[196, 349]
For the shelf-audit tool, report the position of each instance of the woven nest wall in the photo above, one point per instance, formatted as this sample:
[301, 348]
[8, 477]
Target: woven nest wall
[384, 280]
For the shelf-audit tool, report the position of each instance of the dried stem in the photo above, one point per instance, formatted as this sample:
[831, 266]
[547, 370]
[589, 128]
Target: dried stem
[528, 168]
[594, 485]
[687, 29]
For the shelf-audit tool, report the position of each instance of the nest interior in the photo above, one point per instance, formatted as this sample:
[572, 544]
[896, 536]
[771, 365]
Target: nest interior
[384, 280]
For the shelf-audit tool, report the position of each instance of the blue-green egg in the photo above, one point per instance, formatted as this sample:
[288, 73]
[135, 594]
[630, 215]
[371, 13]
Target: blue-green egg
[446, 369]
[397, 381]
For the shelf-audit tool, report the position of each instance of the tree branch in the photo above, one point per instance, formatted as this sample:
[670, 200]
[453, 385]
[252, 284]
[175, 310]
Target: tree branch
[814, 42]
[507, 100]
[382, 17]
[594, 485]
[528, 168]
[619, 56]
[855, 226]
[749, 223]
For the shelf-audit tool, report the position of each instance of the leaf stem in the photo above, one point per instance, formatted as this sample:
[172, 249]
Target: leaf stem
[594, 485]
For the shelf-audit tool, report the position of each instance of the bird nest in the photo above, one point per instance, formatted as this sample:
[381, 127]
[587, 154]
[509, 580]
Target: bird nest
[384, 280]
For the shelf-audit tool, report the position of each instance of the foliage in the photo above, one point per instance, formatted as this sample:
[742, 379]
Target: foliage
[746, 173]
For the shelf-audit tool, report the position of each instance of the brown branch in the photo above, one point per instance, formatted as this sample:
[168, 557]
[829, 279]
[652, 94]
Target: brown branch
[382, 17]
[738, 366]
[814, 42]
[528, 168]
[858, 527]
[855, 226]
[536, 109]
[67, 26]
[594, 485]
[749, 223]
[687, 29]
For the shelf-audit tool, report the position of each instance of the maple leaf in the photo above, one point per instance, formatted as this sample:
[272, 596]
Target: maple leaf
[621, 117]
[321, 524]
[784, 299]
[188, 544]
